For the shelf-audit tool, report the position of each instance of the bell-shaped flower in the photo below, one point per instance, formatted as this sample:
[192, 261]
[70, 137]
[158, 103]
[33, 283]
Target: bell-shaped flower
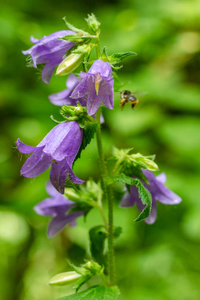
[64, 97]
[96, 87]
[49, 51]
[58, 207]
[158, 191]
[58, 149]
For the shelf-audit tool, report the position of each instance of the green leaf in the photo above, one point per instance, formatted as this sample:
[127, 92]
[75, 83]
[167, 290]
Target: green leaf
[98, 236]
[88, 133]
[95, 293]
[117, 232]
[116, 58]
[73, 28]
[144, 194]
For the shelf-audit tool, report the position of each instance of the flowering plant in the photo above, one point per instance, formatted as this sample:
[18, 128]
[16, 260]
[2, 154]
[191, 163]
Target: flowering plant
[81, 104]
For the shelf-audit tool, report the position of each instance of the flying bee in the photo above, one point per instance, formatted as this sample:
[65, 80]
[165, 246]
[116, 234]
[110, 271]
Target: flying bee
[127, 96]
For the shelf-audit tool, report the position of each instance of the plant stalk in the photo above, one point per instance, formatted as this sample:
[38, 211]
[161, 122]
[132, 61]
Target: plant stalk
[109, 199]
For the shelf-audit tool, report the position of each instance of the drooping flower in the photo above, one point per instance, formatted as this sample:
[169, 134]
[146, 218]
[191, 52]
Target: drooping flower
[58, 149]
[50, 51]
[96, 87]
[158, 191]
[57, 206]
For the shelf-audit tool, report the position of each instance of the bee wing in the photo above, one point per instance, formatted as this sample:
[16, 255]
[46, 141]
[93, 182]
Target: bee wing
[140, 94]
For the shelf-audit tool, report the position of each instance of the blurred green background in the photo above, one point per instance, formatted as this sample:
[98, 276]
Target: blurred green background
[157, 262]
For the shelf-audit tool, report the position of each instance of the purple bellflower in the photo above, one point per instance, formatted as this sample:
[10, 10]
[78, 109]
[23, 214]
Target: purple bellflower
[158, 191]
[64, 97]
[58, 149]
[57, 206]
[50, 51]
[96, 87]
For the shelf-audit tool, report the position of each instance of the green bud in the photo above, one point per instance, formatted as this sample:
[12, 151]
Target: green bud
[71, 194]
[65, 278]
[69, 64]
[93, 267]
[93, 23]
[145, 162]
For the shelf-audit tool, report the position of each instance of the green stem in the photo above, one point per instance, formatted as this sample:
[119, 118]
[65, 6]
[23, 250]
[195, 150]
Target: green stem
[109, 199]
[98, 47]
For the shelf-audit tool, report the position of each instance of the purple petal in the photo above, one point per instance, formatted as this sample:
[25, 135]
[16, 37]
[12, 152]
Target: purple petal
[166, 196]
[107, 94]
[127, 200]
[74, 178]
[82, 88]
[153, 214]
[162, 177]
[34, 40]
[63, 141]
[53, 206]
[61, 98]
[72, 81]
[47, 72]
[59, 222]
[24, 148]
[103, 68]
[51, 189]
[36, 164]
[159, 191]
[58, 175]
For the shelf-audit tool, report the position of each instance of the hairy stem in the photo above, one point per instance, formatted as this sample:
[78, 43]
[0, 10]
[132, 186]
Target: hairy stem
[109, 199]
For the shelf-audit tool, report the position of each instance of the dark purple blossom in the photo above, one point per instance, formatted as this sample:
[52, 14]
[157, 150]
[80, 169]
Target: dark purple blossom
[50, 51]
[96, 87]
[158, 191]
[57, 206]
[58, 149]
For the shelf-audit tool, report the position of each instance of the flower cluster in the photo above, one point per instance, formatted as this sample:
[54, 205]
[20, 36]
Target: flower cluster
[80, 101]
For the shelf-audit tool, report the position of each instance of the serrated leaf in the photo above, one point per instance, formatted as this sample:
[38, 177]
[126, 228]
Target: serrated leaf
[144, 194]
[118, 57]
[137, 172]
[95, 293]
[73, 28]
[88, 133]
[98, 236]
[117, 232]
[77, 38]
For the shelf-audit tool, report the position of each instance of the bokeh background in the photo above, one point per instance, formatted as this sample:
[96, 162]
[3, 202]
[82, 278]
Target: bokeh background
[157, 262]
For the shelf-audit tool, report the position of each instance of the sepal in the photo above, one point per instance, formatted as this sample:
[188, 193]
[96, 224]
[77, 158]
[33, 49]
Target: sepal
[87, 271]
[75, 29]
[88, 194]
[131, 164]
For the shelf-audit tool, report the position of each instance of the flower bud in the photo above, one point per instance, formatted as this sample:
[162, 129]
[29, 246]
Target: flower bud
[71, 194]
[69, 64]
[65, 278]
[93, 23]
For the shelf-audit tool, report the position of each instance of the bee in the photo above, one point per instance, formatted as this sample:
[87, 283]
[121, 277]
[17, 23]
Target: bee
[127, 96]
